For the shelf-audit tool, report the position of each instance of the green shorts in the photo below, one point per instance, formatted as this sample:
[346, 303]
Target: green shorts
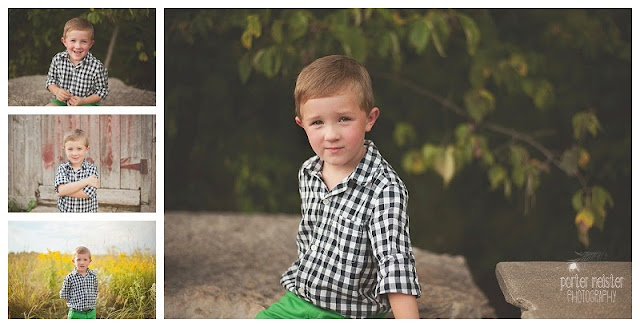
[60, 103]
[75, 314]
[291, 306]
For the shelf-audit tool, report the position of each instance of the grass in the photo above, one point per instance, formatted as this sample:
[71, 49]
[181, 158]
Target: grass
[126, 284]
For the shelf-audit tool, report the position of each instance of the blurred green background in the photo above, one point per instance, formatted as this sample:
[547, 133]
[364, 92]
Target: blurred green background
[511, 128]
[34, 38]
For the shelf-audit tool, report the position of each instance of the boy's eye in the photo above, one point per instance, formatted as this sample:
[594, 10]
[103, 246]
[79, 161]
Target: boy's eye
[343, 119]
[317, 122]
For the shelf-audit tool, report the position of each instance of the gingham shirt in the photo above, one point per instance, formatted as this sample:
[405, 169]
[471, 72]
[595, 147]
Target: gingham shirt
[65, 175]
[87, 78]
[80, 291]
[353, 241]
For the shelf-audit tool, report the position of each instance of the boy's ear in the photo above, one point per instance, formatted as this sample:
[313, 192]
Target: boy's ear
[299, 122]
[371, 119]
[62, 40]
[92, 43]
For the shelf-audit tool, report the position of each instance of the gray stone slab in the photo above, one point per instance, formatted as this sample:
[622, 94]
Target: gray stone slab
[567, 289]
[240, 258]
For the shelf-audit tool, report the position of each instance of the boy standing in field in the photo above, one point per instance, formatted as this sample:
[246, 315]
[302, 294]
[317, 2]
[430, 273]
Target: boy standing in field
[76, 77]
[77, 179]
[354, 253]
[80, 287]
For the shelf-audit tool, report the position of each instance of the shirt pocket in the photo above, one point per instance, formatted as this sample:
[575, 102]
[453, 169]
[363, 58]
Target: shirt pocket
[351, 239]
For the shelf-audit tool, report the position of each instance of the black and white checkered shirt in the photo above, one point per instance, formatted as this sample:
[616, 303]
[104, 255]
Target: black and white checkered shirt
[353, 241]
[80, 291]
[87, 78]
[65, 175]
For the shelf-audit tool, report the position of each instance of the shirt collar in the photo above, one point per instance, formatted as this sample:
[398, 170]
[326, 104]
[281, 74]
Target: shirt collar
[362, 174]
[86, 58]
[85, 164]
[89, 272]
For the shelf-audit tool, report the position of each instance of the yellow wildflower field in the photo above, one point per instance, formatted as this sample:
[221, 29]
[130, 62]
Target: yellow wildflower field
[126, 284]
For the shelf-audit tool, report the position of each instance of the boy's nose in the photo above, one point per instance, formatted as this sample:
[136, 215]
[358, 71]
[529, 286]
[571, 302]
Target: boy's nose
[331, 134]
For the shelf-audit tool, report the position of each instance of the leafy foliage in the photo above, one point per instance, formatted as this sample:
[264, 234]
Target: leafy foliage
[35, 37]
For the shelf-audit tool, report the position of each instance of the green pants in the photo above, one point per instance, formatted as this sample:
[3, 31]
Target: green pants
[291, 306]
[60, 103]
[75, 314]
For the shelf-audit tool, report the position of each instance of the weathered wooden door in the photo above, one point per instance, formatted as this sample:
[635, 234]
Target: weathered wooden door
[122, 146]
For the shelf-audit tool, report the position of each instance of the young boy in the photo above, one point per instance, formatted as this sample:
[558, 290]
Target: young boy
[80, 287]
[354, 254]
[77, 179]
[76, 77]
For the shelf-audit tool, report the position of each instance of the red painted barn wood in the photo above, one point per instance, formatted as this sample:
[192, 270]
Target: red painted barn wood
[123, 147]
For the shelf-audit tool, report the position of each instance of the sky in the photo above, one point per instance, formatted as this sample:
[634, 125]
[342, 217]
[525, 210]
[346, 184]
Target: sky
[98, 236]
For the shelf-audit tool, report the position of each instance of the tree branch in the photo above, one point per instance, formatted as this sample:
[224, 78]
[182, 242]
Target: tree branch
[448, 105]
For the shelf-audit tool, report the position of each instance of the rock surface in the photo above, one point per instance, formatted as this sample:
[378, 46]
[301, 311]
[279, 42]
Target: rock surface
[567, 290]
[229, 265]
[30, 91]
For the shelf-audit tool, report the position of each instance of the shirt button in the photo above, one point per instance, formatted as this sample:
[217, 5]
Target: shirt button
[314, 248]
[301, 290]
[325, 201]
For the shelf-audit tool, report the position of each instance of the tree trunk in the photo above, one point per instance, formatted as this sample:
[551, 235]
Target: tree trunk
[112, 44]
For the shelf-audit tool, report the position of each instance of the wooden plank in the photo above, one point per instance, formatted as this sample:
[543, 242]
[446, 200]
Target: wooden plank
[90, 124]
[147, 186]
[19, 156]
[12, 166]
[130, 149]
[48, 149]
[105, 196]
[110, 152]
[33, 157]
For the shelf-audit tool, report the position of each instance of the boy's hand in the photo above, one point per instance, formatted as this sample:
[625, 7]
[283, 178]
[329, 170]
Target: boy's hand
[76, 101]
[63, 95]
[93, 181]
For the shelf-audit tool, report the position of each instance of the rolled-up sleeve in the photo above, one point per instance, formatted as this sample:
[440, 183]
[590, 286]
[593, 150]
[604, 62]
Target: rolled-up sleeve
[61, 178]
[64, 292]
[389, 235]
[101, 82]
[51, 75]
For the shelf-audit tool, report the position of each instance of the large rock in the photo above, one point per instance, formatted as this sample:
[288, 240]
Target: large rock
[229, 266]
[567, 289]
[30, 91]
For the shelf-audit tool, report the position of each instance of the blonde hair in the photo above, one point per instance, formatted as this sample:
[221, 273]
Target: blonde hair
[81, 250]
[78, 24]
[75, 135]
[327, 76]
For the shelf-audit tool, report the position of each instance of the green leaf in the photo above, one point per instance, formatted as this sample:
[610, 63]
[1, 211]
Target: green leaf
[276, 31]
[244, 68]
[143, 57]
[354, 44]
[479, 102]
[463, 134]
[403, 133]
[412, 162]
[440, 31]
[497, 176]
[298, 24]
[429, 153]
[471, 32]
[253, 29]
[576, 200]
[31, 205]
[444, 164]
[584, 122]
[268, 61]
[569, 161]
[419, 35]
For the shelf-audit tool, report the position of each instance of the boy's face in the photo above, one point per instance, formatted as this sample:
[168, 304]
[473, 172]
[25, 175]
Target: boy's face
[78, 44]
[335, 127]
[82, 262]
[76, 151]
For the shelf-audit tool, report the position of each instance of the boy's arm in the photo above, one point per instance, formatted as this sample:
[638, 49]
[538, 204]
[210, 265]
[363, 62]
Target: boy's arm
[388, 232]
[73, 187]
[66, 288]
[404, 306]
[60, 93]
